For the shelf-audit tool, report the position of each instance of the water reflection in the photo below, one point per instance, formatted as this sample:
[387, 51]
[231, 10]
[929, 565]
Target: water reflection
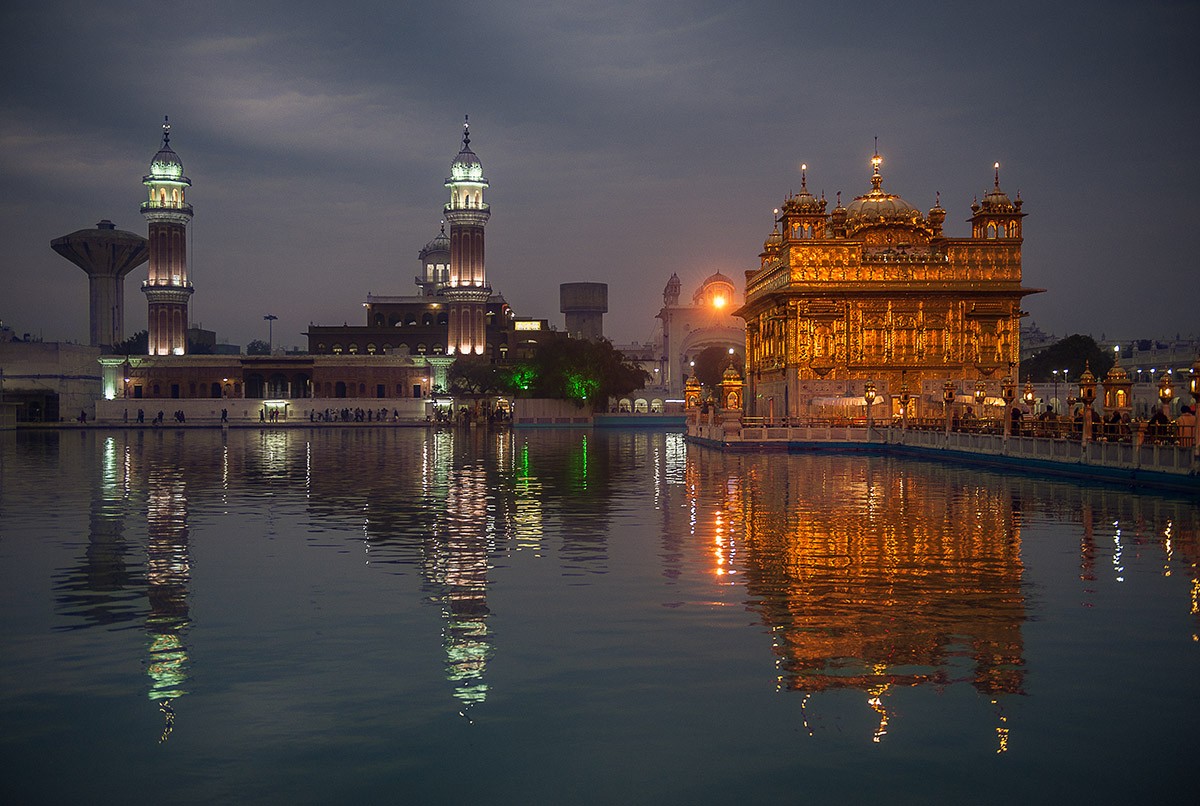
[872, 574]
[867, 575]
[168, 572]
[112, 585]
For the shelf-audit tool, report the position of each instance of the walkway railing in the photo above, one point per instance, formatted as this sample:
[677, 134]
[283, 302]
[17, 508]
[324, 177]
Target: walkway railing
[1138, 447]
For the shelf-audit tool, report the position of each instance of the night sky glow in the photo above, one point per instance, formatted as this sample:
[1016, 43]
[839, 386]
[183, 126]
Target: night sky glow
[623, 141]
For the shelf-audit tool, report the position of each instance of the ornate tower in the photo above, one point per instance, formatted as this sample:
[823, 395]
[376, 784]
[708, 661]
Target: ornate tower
[997, 216]
[167, 289]
[803, 216]
[467, 291]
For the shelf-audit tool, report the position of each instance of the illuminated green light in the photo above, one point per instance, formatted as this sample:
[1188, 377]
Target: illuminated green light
[580, 386]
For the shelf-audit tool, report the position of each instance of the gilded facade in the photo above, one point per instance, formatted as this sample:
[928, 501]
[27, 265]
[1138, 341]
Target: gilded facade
[875, 290]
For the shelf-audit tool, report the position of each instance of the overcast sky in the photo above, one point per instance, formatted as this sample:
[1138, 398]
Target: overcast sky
[623, 142]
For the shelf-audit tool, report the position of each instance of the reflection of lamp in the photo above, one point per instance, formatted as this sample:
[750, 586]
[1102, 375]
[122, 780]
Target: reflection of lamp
[1008, 392]
[947, 399]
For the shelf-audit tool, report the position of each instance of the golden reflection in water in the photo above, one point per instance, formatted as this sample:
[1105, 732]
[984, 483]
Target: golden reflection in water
[874, 574]
[871, 575]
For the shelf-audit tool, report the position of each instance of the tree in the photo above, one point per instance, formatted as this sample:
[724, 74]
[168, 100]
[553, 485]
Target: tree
[589, 372]
[258, 347]
[711, 364]
[1072, 354]
[137, 344]
[477, 376]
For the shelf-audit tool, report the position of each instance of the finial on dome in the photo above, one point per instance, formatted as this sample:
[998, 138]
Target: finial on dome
[166, 130]
[466, 131]
[876, 161]
[804, 176]
[839, 198]
[443, 226]
[937, 198]
[997, 167]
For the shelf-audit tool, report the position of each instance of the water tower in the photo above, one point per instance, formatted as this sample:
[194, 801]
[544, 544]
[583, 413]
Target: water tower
[584, 305]
[107, 254]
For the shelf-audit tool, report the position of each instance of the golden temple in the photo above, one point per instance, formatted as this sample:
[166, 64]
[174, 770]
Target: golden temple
[875, 290]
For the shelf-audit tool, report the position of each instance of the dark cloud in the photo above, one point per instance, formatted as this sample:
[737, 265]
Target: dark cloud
[624, 142]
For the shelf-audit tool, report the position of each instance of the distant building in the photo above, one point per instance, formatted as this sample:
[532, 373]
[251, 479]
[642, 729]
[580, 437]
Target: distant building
[875, 291]
[48, 381]
[583, 306]
[687, 329]
[455, 310]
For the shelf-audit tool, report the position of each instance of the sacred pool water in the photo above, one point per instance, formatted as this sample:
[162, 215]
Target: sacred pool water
[403, 616]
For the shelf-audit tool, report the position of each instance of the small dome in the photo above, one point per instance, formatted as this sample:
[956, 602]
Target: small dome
[441, 243]
[805, 202]
[717, 278]
[466, 166]
[997, 201]
[731, 373]
[166, 163]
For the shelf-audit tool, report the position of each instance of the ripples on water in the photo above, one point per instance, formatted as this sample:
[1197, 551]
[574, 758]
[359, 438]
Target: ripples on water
[617, 586]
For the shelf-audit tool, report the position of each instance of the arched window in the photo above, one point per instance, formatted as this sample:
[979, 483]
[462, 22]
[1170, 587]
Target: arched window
[427, 319]
[421, 348]
[371, 348]
[394, 320]
[353, 349]
[337, 349]
[378, 320]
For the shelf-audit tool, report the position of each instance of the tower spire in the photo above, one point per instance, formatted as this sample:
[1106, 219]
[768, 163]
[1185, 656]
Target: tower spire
[166, 131]
[466, 131]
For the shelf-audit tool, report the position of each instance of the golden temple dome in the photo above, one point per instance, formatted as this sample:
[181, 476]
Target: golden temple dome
[880, 207]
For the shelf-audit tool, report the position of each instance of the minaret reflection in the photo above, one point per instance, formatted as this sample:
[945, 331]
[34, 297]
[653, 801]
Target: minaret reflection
[107, 588]
[103, 590]
[456, 563]
[168, 574]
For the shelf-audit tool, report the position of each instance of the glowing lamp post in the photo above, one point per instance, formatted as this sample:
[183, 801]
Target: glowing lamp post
[869, 396]
[1087, 396]
[980, 394]
[270, 332]
[1166, 392]
[947, 399]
